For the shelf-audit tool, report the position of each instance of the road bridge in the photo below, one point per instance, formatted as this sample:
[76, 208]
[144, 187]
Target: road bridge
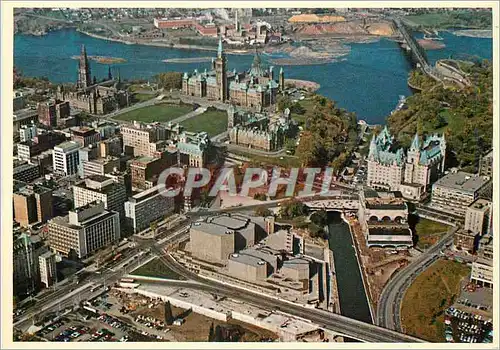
[417, 51]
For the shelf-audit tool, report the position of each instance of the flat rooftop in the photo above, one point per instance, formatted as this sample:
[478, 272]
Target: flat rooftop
[462, 181]
[210, 228]
[247, 260]
[480, 204]
[68, 146]
[385, 231]
[230, 222]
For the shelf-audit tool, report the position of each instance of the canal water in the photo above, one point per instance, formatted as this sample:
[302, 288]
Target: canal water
[368, 81]
[352, 295]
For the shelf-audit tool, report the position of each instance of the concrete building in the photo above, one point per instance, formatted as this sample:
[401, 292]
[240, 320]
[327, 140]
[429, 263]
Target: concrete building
[478, 216]
[136, 139]
[48, 272]
[19, 100]
[111, 147]
[101, 188]
[296, 269]
[210, 242]
[146, 207]
[486, 165]
[482, 268]
[247, 267]
[144, 170]
[281, 240]
[25, 264]
[27, 132]
[454, 192]
[66, 158]
[384, 218]
[100, 166]
[32, 203]
[39, 144]
[84, 230]
[244, 229]
[26, 172]
[390, 169]
[85, 136]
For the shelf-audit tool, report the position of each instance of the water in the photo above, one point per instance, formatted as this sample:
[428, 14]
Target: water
[353, 302]
[368, 81]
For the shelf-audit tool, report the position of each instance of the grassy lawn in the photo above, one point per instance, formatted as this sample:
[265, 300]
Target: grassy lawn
[154, 268]
[213, 122]
[434, 290]
[156, 113]
[428, 19]
[429, 232]
[143, 97]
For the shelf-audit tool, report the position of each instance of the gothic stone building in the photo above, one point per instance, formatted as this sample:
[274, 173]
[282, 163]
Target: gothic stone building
[92, 98]
[259, 131]
[389, 168]
[256, 88]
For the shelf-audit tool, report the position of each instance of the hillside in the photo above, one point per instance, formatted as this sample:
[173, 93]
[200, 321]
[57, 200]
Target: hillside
[465, 115]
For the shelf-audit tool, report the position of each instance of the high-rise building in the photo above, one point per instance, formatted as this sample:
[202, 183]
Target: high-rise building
[26, 252]
[84, 230]
[26, 172]
[101, 188]
[391, 170]
[477, 216]
[32, 203]
[136, 140]
[65, 158]
[48, 272]
[482, 267]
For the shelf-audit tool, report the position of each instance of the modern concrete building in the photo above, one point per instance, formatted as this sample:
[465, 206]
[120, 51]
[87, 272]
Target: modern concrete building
[247, 267]
[136, 139]
[383, 217]
[48, 272]
[32, 203]
[86, 154]
[211, 243]
[100, 166]
[243, 227]
[454, 192]
[478, 216]
[391, 170]
[296, 269]
[49, 113]
[65, 158]
[27, 132]
[39, 144]
[101, 188]
[146, 207]
[25, 265]
[482, 268]
[84, 230]
[486, 165]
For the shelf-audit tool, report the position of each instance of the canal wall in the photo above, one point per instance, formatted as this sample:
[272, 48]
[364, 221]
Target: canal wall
[366, 284]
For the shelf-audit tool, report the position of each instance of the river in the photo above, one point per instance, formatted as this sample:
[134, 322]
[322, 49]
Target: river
[367, 81]
[352, 295]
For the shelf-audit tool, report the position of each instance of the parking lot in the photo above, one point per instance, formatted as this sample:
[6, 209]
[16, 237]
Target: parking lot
[464, 327]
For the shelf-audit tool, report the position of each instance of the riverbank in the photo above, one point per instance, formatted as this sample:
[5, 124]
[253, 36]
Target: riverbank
[474, 33]
[303, 84]
[163, 44]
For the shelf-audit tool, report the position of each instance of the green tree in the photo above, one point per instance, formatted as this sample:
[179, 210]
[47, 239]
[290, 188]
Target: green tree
[169, 80]
[262, 211]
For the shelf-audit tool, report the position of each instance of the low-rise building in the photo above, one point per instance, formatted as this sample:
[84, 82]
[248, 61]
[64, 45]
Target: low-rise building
[384, 219]
[478, 216]
[247, 267]
[100, 166]
[85, 136]
[39, 144]
[210, 242]
[84, 230]
[454, 192]
[26, 172]
[146, 207]
[482, 268]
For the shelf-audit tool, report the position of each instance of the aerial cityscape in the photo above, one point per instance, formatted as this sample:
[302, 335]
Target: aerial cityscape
[253, 175]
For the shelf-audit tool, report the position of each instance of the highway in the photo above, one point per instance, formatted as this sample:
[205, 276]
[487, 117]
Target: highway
[389, 306]
[337, 323]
